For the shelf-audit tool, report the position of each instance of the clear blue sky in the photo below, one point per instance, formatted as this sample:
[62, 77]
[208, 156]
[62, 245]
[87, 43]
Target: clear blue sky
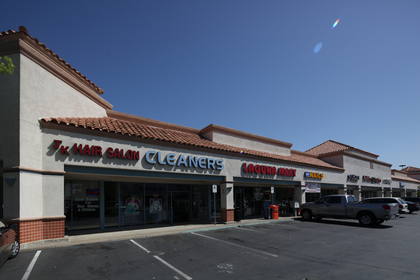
[249, 65]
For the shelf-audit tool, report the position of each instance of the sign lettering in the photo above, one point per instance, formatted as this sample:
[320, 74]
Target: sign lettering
[171, 159]
[372, 180]
[267, 170]
[313, 175]
[95, 151]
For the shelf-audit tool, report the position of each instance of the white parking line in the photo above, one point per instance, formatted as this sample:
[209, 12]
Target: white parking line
[237, 245]
[247, 229]
[31, 265]
[185, 276]
[138, 245]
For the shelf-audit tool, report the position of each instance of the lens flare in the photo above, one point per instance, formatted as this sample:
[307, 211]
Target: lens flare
[336, 22]
[318, 47]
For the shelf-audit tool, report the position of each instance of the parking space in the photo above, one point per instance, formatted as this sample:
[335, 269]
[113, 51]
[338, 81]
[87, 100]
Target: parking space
[329, 249]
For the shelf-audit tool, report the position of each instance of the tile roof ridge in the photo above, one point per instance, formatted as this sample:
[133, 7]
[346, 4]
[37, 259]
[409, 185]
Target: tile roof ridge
[150, 122]
[24, 34]
[245, 134]
[408, 179]
[303, 153]
[399, 171]
[310, 149]
[355, 149]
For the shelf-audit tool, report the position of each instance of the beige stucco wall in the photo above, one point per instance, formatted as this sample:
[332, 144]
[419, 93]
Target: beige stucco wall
[239, 141]
[356, 153]
[360, 167]
[406, 185]
[44, 95]
[27, 95]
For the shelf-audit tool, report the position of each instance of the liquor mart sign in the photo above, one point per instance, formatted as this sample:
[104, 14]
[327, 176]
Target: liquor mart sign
[256, 169]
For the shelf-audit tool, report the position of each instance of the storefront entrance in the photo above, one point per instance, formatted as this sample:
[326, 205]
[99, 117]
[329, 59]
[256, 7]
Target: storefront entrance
[180, 205]
[106, 205]
[250, 202]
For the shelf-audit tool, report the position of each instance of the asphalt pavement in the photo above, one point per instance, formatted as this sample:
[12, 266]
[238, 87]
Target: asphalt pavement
[329, 249]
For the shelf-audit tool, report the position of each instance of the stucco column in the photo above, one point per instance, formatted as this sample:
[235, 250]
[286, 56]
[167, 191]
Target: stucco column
[390, 193]
[300, 194]
[358, 193]
[380, 192]
[227, 202]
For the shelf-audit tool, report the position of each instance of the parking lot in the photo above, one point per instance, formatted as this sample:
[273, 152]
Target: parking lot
[290, 250]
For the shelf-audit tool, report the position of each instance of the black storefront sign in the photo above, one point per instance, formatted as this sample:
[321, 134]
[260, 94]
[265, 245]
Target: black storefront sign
[352, 178]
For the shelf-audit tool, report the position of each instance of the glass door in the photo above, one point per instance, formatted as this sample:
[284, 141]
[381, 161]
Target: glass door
[82, 204]
[200, 203]
[180, 207]
[111, 204]
[132, 204]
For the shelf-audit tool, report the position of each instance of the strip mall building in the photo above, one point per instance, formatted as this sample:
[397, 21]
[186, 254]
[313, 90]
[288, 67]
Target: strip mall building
[70, 162]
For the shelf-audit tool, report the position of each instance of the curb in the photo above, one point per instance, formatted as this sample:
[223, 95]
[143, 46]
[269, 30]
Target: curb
[68, 241]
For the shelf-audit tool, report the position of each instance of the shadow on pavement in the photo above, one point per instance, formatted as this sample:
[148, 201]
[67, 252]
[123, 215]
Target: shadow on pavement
[344, 223]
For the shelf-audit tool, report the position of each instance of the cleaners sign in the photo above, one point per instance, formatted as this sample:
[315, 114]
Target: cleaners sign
[180, 160]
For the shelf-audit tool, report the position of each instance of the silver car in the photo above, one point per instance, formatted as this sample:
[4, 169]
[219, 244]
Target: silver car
[402, 205]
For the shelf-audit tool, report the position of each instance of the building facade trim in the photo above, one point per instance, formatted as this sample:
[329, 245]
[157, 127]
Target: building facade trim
[81, 130]
[32, 170]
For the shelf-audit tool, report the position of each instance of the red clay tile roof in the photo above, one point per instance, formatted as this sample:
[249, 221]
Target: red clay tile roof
[401, 178]
[332, 146]
[23, 33]
[146, 121]
[410, 169]
[149, 132]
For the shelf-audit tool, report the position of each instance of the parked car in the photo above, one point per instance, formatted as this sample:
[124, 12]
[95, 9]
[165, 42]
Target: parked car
[9, 246]
[402, 205]
[412, 199]
[347, 207]
[412, 206]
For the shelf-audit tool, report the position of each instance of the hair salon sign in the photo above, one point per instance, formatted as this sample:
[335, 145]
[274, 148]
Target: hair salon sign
[95, 151]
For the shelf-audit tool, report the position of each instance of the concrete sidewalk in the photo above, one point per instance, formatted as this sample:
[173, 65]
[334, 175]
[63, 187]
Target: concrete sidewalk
[142, 233]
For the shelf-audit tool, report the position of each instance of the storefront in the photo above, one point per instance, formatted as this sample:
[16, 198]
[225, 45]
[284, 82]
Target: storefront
[260, 185]
[106, 204]
[369, 192]
[403, 185]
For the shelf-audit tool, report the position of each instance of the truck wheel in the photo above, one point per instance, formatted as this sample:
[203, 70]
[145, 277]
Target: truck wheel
[366, 219]
[306, 215]
[318, 218]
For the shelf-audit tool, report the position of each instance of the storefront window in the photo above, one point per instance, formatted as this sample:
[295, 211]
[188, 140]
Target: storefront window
[132, 204]
[311, 197]
[82, 204]
[156, 202]
[369, 194]
[284, 197]
[250, 201]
